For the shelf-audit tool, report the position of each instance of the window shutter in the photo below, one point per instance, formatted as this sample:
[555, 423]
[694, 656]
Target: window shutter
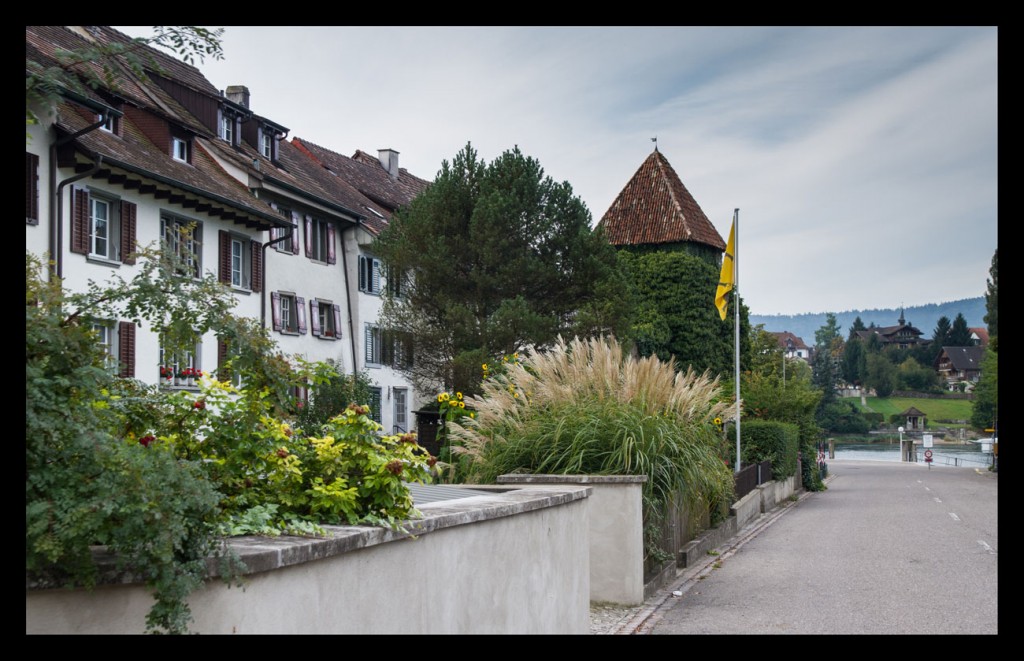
[309, 236]
[368, 342]
[31, 189]
[256, 249]
[376, 276]
[314, 318]
[275, 232]
[337, 321]
[295, 233]
[225, 257]
[300, 309]
[387, 348]
[126, 349]
[80, 222]
[362, 273]
[331, 259]
[275, 310]
[129, 213]
[222, 359]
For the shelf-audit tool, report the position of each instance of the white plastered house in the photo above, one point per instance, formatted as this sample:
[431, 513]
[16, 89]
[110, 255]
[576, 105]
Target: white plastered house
[285, 226]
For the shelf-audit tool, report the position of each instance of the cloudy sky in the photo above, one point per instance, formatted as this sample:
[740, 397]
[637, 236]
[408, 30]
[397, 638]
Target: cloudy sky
[862, 160]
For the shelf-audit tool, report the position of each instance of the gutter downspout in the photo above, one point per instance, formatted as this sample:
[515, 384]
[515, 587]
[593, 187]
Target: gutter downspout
[56, 225]
[348, 302]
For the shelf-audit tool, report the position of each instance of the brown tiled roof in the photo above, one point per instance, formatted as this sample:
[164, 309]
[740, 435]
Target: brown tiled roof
[982, 334]
[168, 65]
[42, 42]
[655, 207]
[369, 177]
[295, 170]
[133, 151]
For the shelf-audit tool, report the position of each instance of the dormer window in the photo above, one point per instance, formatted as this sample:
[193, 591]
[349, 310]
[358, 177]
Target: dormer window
[179, 149]
[227, 128]
[267, 144]
[110, 126]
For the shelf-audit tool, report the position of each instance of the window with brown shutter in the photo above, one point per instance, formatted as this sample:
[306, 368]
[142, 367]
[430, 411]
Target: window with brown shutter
[239, 261]
[129, 213]
[31, 189]
[80, 221]
[126, 349]
[256, 282]
[225, 257]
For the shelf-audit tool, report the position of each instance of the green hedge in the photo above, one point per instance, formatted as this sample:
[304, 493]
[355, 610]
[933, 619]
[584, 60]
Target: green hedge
[768, 440]
[874, 419]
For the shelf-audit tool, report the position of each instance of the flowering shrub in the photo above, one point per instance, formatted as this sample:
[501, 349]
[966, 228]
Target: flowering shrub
[274, 479]
[158, 475]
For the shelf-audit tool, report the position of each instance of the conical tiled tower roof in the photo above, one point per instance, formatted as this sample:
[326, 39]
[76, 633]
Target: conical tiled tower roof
[655, 207]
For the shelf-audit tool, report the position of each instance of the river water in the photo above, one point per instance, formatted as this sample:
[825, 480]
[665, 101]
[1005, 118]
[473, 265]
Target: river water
[969, 454]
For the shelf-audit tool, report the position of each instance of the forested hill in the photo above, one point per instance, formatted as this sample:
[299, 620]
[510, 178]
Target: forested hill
[922, 317]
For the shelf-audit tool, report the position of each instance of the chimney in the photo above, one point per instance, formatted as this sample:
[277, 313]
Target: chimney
[238, 94]
[389, 161]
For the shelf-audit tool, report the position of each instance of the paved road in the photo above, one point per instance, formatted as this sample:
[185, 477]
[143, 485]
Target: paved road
[889, 548]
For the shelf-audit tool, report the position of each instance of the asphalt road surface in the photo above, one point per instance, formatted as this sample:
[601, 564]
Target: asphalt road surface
[888, 548]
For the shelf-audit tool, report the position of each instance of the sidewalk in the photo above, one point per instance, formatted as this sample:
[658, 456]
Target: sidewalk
[608, 619]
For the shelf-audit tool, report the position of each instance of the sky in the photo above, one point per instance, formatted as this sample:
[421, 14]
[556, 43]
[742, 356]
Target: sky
[862, 160]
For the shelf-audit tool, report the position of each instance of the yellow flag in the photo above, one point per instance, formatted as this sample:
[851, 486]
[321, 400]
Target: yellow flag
[725, 280]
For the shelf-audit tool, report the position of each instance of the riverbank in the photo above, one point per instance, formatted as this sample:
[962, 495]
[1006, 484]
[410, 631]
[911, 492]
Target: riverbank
[885, 438]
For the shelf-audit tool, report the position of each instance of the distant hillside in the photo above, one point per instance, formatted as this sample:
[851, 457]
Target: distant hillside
[923, 317]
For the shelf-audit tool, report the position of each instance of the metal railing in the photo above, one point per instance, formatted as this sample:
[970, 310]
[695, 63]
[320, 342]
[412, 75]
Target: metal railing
[750, 477]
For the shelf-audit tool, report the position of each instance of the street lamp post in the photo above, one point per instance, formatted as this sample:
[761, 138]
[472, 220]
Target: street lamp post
[902, 457]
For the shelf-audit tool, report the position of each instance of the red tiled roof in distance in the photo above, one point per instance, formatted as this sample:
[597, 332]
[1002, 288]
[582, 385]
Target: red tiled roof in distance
[798, 342]
[982, 333]
[655, 207]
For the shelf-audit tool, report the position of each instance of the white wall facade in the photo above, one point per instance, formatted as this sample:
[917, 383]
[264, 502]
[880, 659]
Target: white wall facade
[394, 387]
[78, 270]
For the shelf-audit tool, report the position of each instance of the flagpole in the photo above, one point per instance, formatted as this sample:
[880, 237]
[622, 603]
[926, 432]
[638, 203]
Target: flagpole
[736, 316]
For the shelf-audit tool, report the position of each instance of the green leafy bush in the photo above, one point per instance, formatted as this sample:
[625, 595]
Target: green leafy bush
[768, 440]
[85, 486]
[331, 396]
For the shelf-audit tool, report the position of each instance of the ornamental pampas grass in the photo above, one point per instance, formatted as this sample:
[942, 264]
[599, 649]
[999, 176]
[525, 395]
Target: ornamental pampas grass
[585, 407]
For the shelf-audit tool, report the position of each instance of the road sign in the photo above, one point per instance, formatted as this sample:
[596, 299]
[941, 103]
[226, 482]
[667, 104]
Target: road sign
[928, 456]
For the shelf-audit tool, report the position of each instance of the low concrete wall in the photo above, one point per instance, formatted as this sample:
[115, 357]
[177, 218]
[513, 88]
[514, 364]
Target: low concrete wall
[615, 515]
[774, 492]
[515, 561]
[747, 508]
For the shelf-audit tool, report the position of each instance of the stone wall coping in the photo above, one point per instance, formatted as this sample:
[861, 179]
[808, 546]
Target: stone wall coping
[522, 478]
[262, 554]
